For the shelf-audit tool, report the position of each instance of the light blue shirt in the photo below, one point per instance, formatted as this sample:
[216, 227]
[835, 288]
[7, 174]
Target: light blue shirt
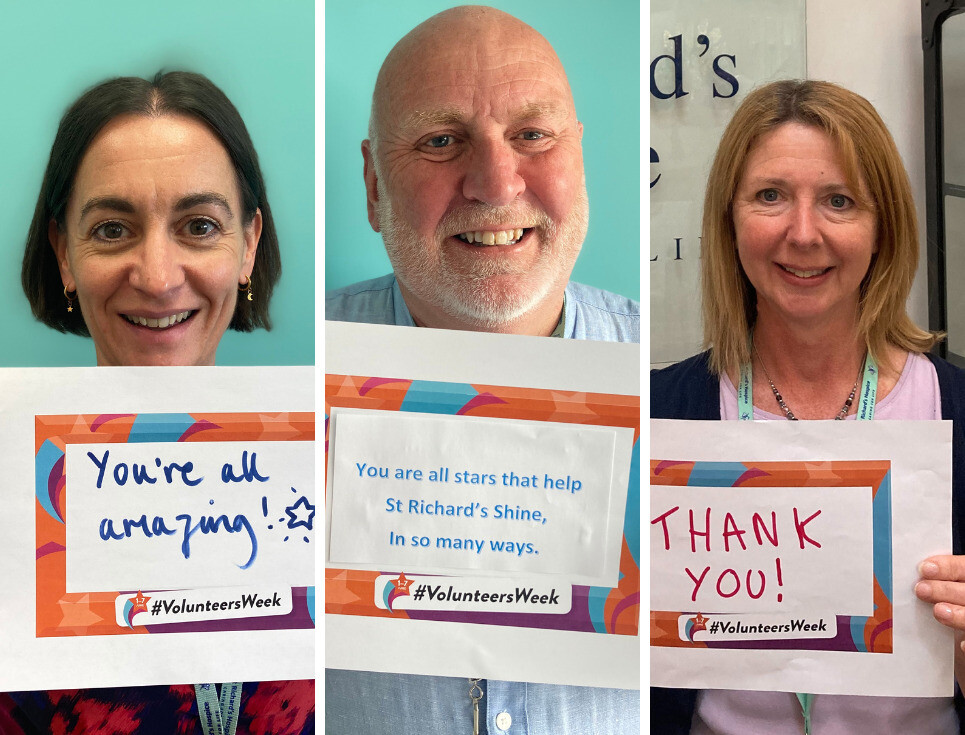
[590, 313]
[371, 703]
[368, 703]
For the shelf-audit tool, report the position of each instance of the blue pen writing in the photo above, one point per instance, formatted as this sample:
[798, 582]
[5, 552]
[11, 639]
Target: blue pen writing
[139, 472]
[248, 472]
[210, 524]
[109, 531]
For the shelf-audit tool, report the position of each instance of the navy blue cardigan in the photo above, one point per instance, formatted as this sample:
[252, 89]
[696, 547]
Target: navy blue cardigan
[688, 390]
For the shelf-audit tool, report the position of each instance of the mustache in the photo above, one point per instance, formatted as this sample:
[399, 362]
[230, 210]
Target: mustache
[478, 216]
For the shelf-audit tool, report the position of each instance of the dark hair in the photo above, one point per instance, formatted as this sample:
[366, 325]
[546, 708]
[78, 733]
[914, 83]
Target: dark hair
[171, 93]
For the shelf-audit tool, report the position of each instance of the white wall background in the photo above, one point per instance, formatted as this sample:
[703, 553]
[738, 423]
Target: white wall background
[873, 47]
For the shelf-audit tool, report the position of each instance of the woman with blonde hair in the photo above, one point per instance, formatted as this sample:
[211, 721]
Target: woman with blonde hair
[809, 249]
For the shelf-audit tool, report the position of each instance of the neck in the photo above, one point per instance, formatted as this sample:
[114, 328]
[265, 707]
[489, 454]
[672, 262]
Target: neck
[809, 353]
[539, 321]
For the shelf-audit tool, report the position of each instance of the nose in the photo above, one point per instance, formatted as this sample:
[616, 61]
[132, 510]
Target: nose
[803, 229]
[157, 269]
[493, 176]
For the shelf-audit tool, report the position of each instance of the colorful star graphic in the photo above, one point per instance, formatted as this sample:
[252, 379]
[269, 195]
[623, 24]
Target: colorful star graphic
[700, 623]
[295, 511]
[401, 584]
[140, 603]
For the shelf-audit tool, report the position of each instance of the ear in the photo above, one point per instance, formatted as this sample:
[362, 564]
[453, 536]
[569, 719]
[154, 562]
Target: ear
[252, 238]
[579, 126]
[58, 241]
[371, 184]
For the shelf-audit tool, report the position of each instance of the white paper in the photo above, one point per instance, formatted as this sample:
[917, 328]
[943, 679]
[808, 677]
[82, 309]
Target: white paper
[920, 456]
[170, 515]
[495, 651]
[769, 549]
[423, 491]
[31, 663]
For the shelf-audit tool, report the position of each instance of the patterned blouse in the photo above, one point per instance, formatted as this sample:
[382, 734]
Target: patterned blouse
[267, 708]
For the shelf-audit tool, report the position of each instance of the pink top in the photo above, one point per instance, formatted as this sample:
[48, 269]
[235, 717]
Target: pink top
[725, 712]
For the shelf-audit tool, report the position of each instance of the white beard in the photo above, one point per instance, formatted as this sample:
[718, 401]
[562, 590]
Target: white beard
[494, 291]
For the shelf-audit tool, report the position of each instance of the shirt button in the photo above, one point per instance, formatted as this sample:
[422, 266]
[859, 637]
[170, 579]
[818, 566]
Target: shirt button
[504, 720]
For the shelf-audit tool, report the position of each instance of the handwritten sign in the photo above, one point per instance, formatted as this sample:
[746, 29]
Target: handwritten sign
[181, 514]
[801, 642]
[761, 549]
[440, 492]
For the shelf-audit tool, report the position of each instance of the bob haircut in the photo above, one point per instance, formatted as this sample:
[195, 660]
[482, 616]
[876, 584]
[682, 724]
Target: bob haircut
[171, 93]
[868, 154]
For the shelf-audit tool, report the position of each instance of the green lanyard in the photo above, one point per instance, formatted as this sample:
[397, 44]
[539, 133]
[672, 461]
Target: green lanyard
[219, 717]
[866, 399]
[865, 412]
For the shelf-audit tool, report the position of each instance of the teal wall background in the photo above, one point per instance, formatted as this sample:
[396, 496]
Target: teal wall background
[260, 53]
[599, 46]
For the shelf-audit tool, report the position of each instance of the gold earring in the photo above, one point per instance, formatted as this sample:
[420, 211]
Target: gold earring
[246, 288]
[70, 299]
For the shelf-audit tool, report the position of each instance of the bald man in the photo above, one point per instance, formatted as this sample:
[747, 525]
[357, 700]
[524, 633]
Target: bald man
[474, 177]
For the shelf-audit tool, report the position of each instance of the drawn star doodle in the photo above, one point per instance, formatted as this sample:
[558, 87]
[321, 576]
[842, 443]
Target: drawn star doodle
[295, 512]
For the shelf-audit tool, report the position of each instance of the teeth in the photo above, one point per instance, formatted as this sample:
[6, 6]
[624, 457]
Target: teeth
[803, 274]
[162, 323]
[490, 237]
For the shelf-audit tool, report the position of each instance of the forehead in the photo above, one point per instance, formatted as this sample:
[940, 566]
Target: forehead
[500, 78]
[796, 147]
[138, 151]
[790, 145]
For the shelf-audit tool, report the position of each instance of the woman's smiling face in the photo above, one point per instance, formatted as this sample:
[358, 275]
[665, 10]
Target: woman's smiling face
[154, 241]
[805, 239]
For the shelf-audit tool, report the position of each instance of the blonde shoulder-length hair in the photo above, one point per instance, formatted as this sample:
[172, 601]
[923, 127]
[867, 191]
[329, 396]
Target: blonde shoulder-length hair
[868, 154]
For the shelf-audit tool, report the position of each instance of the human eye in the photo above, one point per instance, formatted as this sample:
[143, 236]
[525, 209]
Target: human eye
[439, 141]
[769, 196]
[441, 146]
[110, 231]
[202, 227]
[840, 201]
[532, 135]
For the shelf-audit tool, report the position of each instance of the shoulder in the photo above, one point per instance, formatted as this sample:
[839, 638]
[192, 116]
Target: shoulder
[369, 301]
[951, 384]
[592, 313]
[685, 390]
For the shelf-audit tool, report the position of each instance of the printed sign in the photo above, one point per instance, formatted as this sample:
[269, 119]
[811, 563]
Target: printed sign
[535, 492]
[174, 522]
[422, 492]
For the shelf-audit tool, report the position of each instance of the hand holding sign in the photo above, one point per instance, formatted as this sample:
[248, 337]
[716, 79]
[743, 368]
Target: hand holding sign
[943, 584]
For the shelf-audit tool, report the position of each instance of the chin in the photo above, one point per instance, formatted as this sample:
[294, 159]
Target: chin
[490, 304]
[153, 359]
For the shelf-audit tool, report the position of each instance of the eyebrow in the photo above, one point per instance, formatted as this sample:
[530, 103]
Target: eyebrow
[189, 201]
[116, 204]
[453, 115]
[539, 109]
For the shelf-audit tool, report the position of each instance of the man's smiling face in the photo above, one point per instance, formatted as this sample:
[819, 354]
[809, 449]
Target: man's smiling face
[475, 173]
